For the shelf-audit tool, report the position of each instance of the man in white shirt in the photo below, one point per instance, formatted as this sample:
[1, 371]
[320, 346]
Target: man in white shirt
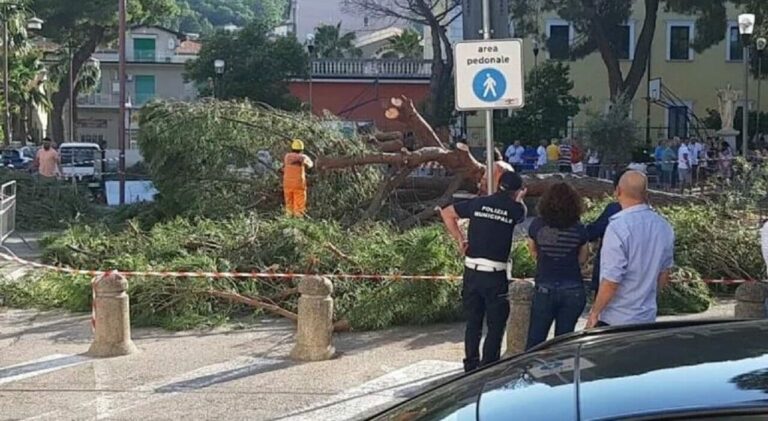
[697, 150]
[514, 155]
[541, 152]
[684, 165]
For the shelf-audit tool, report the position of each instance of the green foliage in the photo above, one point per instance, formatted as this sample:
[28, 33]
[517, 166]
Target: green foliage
[260, 75]
[613, 134]
[548, 106]
[406, 45]
[44, 205]
[331, 43]
[201, 16]
[718, 245]
[203, 160]
[687, 294]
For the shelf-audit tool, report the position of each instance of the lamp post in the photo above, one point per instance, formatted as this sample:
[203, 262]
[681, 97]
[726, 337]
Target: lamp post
[218, 66]
[536, 53]
[761, 43]
[746, 28]
[34, 23]
[311, 51]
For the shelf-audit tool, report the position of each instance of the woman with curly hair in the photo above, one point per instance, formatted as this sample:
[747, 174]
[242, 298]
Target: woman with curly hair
[558, 243]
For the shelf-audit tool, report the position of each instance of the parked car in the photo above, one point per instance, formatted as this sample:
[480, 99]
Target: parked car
[18, 157]
[703, 370]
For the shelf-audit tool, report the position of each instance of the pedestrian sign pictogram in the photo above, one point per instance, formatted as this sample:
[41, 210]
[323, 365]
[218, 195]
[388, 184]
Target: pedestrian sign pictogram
[489, 85]
[489, 74]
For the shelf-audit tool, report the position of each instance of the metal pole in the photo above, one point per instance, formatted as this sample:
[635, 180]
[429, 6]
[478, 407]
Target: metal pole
[488, 113]
[121, 120]
[6, 84]
[745, 108]
[71, 95]
[648, 102]
[310, 87]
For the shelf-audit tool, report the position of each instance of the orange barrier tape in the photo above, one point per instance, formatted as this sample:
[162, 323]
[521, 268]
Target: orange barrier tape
[265, 275]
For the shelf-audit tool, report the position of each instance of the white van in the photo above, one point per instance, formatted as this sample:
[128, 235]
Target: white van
[81, 161]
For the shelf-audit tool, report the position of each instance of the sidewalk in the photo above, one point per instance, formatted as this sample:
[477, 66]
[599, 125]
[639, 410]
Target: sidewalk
[24, 245]
[220, 373]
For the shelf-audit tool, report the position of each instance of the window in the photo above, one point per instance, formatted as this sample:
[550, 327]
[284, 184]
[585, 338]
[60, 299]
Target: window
[679, 38]
[677, 116]
[734, 49]
[559, 36]
[145, 89]
[623, 40]
[144, 49]
[92, 138]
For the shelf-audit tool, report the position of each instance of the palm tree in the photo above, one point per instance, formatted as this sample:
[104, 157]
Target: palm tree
[330, 43]
[26, 89]
[405, 45]
[87, 79]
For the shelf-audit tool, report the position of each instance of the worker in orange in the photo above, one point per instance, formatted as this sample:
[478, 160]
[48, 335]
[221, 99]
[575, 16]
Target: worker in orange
[295, 168]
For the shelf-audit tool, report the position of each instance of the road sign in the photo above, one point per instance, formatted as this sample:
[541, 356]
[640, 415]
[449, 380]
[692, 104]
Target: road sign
[489, 74]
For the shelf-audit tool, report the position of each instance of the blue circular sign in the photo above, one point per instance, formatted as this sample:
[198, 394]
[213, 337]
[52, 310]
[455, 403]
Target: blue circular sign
[489, 85]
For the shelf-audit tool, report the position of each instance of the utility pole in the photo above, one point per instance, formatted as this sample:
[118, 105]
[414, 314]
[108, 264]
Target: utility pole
[488, 113]
[121, 120]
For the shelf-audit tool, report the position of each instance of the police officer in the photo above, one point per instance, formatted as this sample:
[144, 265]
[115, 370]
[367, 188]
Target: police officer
[492, 221]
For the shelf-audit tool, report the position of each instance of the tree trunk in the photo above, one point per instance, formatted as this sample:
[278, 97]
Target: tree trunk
[642, 50]
[60, 98]
[611, 60]
[436, 88]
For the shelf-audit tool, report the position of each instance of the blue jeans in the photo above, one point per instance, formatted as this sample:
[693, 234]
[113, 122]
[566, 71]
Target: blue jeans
[562, 305]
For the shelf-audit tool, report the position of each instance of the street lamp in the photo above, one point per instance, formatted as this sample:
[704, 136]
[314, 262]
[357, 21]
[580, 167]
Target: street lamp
[761, 43]
[536, 53]
[746, 28]
[311, 51]
[219, 66]
[34, 24]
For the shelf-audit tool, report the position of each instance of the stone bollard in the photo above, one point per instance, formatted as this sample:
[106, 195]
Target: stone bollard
[751, 300]
[520, 299]
[112, 322]
[315, 326]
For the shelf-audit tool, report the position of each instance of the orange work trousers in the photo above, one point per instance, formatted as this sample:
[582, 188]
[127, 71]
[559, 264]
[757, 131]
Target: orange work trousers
[295, 201]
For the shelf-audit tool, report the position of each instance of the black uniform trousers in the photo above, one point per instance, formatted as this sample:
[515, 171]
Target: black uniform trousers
[484, 296]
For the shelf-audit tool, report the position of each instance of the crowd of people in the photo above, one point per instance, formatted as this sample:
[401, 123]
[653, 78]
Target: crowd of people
[634, 248]
[674, 163]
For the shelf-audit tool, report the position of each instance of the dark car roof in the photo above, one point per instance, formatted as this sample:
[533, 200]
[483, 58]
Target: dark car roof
[626, 372]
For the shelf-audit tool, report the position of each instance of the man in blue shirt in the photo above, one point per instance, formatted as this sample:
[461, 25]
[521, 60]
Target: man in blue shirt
[636, 258]
[492, 221]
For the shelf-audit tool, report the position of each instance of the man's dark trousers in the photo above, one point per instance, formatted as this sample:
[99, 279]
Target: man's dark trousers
[484, 296]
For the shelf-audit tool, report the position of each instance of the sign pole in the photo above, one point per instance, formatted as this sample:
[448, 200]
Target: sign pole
[488, 113]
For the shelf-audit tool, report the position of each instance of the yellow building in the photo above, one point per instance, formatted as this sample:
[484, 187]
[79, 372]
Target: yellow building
[689, 78]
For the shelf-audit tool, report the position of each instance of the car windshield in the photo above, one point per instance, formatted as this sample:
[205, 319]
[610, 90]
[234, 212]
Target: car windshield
[78, 157]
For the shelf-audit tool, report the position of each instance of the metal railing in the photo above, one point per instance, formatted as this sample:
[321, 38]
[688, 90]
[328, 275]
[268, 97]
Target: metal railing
[144, 56]
[7, 210]
[386, 68]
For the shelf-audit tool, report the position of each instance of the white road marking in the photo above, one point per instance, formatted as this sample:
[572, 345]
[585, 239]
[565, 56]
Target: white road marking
[108, 404]
[40, 366]
[387, 389]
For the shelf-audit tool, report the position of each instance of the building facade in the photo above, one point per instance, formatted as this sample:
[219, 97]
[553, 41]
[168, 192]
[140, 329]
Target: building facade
[156, 58]
[687, 79]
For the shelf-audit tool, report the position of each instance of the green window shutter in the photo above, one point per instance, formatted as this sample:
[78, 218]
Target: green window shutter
[144, 49]
[145, 89]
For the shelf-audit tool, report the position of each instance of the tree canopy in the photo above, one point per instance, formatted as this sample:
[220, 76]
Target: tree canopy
[257, 65]
[406, 45]
[597, 24]
[331, 43]
[202, 16]
[548, 105]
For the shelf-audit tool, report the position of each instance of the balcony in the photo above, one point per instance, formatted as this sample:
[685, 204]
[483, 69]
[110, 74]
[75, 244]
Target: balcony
[144, 56]
[371, 68]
